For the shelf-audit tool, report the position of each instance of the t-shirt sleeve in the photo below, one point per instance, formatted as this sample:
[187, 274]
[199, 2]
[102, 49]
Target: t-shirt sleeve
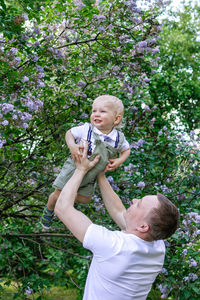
[80, 132]
[100, 241]
[125, 145]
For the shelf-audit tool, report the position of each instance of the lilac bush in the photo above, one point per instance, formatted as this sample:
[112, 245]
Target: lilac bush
[53, 67]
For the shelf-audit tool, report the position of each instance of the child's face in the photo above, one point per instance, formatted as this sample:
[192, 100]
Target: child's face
[103, 116]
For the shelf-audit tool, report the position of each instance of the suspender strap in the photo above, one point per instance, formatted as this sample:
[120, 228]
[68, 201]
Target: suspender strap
[89, 139]
[117, 140]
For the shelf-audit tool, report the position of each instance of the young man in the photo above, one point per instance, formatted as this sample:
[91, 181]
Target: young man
[125, 263]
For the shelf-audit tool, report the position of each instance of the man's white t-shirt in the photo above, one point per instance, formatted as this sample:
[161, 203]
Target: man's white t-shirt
[123, 266]
[81, 132]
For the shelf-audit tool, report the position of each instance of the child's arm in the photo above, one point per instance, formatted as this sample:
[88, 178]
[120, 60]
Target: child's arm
[114, 163]
[75, 149]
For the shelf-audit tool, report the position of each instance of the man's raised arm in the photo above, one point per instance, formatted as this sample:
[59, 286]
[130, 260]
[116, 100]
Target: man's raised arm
[75, 220]
[112, 201]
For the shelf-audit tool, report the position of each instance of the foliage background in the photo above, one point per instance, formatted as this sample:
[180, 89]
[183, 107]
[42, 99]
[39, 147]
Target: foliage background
[55, 59]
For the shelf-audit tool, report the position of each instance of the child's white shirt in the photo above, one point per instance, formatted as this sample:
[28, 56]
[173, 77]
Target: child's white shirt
[81, 133]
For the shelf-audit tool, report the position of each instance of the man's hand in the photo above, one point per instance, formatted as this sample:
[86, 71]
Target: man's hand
[81, 160]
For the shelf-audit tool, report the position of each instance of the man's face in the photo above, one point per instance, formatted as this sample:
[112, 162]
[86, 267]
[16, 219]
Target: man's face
[139, 211]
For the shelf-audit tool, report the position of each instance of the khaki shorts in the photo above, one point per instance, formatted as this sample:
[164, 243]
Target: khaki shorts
[66, 173]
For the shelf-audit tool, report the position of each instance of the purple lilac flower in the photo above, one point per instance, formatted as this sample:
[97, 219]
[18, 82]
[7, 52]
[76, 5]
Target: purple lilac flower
[142, 44]
[147, 108]
[155, 50]
[184, 252]
[24, 116]
[138, 144]
[37, 30]
[6, 107]
[110, 179]
[193, 263]
[39, 68]
[164, 290]
[191, 276]
[129, 167]
[13, 50]
[40, 84]
[134, 108]
[84, 116]
[164, 271]
[5, 123]
[24, 125]
[141, 184]
[100, 18]
[25, 79]
[165, 189]
[101, 29]
[34, 57]
[2, 142]
[17, 59]
[36, 44]
[25, 16]
[81, 83]
[79, 4]
[28, 291]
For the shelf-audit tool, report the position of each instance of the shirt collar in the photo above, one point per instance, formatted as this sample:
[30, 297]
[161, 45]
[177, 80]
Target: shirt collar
[111, 135]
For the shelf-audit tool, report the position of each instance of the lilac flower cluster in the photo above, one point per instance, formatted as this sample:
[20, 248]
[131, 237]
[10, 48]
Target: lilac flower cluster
[190, 277]
[113, 184]
[31, 102]
[28, 290]
[79, 4]
[98, 204]
[165, 189]
[2, 141]
[138, 144]
[129, 168]
[141, 185]
[99, 18]
[165, 289]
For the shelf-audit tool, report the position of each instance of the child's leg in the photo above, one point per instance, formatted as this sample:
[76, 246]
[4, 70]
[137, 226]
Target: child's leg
[83, 199]
[52, 199]
[48, 212]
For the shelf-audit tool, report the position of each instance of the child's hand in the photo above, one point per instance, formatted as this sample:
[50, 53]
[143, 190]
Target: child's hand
[76, 151]
[113, 164]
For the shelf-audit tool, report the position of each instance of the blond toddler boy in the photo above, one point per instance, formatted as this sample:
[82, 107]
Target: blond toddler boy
[103, 139]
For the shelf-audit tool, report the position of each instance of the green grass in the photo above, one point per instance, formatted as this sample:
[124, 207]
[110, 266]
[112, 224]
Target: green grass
[55, 293]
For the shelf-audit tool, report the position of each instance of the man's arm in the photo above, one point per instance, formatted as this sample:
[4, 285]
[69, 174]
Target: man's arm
[75, 220]
[112, 201]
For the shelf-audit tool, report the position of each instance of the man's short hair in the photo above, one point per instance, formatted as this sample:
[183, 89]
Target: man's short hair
[163, 220]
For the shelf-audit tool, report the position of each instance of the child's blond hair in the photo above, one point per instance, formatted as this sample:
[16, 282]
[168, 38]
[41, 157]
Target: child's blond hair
[116, 103]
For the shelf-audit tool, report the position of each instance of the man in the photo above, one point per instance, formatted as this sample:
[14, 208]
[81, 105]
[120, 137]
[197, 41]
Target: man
[125, 263]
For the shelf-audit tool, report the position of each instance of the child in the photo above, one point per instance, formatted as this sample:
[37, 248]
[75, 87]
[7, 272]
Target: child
[103, 139]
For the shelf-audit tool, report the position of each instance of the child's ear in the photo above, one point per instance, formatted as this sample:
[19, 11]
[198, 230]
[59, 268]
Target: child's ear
[117, 119]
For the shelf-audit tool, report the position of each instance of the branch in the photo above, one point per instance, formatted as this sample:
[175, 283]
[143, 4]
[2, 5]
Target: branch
[81, 42]
[38, 234]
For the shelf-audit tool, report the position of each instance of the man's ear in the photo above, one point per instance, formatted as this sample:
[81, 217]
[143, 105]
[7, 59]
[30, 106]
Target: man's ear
[117, 119]
[143, 228]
